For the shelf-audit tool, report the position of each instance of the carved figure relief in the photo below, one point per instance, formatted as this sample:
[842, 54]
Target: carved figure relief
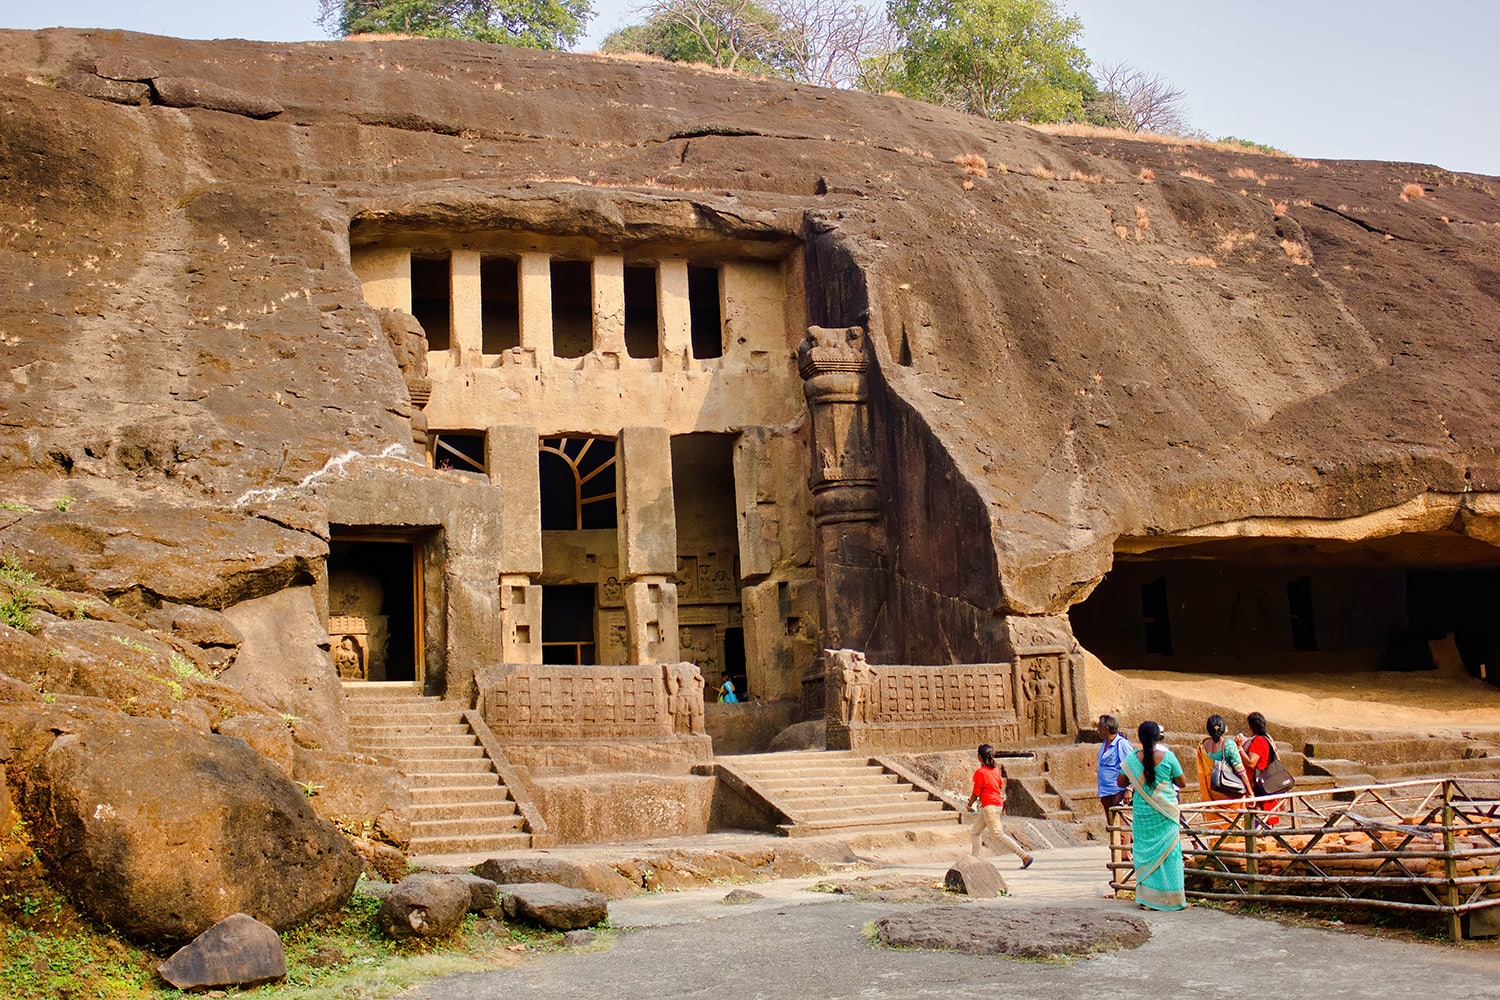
[348, 659]
[859, 688]
[1043, 701]
[684, 697]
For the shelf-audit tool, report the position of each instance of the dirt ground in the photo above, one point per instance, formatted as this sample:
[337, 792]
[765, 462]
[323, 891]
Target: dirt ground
[1445, 701]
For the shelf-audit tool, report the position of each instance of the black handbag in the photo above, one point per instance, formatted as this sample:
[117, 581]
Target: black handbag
[1274, 778]
[1224, 780]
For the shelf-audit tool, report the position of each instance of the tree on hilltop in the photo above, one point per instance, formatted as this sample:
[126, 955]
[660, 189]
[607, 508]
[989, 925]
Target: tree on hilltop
[1137, 101]
[1000, 59]
[538, 24]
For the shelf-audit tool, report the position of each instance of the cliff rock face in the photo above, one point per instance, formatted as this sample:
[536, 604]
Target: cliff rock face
[1104, 338]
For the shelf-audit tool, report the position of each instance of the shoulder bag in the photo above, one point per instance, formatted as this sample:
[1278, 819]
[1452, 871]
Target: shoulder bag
[1225, 781]
[1274, 778]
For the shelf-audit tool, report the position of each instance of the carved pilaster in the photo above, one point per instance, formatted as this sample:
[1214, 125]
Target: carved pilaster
[845, 486]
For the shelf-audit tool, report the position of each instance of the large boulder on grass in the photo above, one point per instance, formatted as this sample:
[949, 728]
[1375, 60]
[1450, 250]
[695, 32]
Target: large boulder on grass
[161, 831]
[425, 905]
[237, 951]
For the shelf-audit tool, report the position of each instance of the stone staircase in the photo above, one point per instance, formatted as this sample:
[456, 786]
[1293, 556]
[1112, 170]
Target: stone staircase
[1372, 761]
[459, 804]
[822, 792]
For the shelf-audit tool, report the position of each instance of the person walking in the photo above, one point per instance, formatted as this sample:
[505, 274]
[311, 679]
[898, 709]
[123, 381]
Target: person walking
[1154, 774]
[1113, 750]
[989, 792]
[1259, 751]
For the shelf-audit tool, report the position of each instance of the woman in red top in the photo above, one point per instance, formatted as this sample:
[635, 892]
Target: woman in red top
[1258, 752]
[989, 792]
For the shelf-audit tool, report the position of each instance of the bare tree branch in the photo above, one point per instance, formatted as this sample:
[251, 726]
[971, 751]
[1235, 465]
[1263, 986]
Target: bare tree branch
[1134, 100]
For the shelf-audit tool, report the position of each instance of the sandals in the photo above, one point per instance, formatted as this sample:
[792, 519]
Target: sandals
[1027, 863]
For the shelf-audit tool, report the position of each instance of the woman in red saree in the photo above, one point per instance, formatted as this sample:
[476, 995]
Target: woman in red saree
[1258, 752]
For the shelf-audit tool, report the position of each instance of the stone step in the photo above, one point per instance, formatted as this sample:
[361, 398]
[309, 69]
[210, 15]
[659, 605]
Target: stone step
[869, 822]
[427, 751]
[413, 766]
[1478, 766]
[465, 827]
[868, 779]
[854, 812]
[808, 796]
[398, 730]
[451, 779]
[463, 809]
[492, 794]
[893, 799]
[469, 844]
[435, 717]
[426, 739]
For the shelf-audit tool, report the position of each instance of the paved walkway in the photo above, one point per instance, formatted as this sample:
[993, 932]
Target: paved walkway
[796, 944]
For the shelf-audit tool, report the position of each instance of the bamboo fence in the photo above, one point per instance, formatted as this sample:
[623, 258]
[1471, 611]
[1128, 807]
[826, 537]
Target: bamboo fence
[1430, 846]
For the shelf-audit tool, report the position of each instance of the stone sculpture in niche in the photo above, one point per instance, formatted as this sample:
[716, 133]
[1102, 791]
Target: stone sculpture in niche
[859, 690]
[1043, 709]
[684, 697]
[346, 657]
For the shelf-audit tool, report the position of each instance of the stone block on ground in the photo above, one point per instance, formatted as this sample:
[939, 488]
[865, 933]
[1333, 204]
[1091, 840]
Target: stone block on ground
[594, 876]
[237, 951]
[484, 894]
[425, 905]
[975, 877]
[1016, 932]
[579, 939]
[554, 906]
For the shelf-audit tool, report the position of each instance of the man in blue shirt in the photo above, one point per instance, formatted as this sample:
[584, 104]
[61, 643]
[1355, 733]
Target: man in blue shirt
[1113, 750]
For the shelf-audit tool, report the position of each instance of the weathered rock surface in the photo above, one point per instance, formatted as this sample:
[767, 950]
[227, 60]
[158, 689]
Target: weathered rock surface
[237, 951]
[425, 905]
[594, 876]
[554, 906]
[283, 661]
[975, 877]
[161, 831]
[1016, 932]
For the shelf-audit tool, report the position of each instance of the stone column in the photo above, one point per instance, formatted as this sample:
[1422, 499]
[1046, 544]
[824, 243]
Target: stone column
[609, 305]
[536, 305]
[648, 544]
[510, 454]
[385, 278]
[845, 485]
[466, 315]
[674, 319]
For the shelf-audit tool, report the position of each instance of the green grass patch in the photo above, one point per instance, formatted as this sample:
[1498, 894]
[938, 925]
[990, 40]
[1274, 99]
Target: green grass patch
[338, 956]
[16, 609]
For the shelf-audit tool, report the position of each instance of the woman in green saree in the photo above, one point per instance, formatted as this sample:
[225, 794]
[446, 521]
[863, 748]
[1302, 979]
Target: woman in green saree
[1155, 774]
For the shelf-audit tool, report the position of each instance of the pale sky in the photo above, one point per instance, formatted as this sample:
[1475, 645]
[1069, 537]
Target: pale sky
[1352, 79]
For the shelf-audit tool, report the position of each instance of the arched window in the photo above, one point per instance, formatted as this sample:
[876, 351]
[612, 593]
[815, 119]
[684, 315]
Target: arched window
[578, 483]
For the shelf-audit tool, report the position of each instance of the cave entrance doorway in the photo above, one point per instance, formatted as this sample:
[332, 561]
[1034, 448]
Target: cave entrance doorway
[710, 615]
[375, 605]
[1280, 606]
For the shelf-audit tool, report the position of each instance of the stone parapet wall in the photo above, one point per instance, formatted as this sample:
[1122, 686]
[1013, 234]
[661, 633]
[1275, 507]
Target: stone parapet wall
[668, 755]
[888, 708]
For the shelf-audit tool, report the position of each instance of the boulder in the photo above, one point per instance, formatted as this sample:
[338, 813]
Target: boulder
[357, 788]
[594, 876]
[267, 736]
[284, 661]
[554, 906]
[187, 92]
[425, 905]
[579, 939]
[162, 832]
[237, 951]
[1017, 932]
[381, 860]
[484, 895]
[975, 877]
[810, 735]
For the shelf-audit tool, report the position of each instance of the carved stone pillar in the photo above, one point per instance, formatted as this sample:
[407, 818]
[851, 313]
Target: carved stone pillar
[845, 485]
[510, 455]
[648, 544]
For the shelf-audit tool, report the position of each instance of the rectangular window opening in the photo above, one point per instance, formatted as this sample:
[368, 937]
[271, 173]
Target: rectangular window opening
[572, 308]
[500, 303]
[432, 298]
[704, 312]
[568, 624]
[460, 450]
[641, 340]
